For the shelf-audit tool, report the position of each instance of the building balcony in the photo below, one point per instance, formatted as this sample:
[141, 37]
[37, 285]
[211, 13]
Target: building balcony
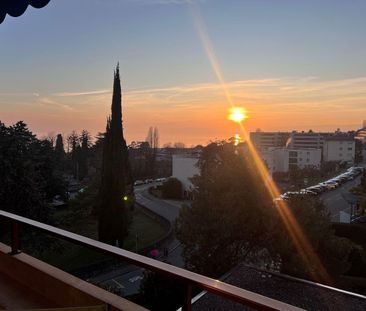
[28, 283]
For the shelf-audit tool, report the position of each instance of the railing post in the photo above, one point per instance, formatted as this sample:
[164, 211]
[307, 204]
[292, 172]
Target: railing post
[15, 238]
[187, 303]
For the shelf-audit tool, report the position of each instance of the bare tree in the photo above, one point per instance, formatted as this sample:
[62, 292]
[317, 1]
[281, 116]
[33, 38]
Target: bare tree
[150, 137]
[156, 138]
[153, 137]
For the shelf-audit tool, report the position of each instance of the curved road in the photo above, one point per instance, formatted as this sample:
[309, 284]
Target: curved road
[128, 279]
[167, 209]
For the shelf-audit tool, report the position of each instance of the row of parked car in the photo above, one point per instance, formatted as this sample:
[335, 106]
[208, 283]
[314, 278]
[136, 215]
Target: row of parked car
[149, 181]
[327, 185]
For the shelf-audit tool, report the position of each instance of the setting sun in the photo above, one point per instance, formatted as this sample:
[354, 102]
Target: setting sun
[237, 114]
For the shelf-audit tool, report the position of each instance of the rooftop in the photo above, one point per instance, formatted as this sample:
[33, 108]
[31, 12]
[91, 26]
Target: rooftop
[294, 291]
[340, 138]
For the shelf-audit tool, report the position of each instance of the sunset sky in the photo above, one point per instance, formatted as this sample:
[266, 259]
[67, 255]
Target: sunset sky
[292, 64]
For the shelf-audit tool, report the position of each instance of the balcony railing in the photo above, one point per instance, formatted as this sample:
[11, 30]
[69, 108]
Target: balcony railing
[188, 278]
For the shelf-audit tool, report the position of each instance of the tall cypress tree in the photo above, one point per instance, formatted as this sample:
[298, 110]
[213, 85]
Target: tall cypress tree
[115, 177]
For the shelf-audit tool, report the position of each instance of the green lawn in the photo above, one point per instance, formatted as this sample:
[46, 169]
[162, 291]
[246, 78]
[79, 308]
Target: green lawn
[70, 257]
[148, 231]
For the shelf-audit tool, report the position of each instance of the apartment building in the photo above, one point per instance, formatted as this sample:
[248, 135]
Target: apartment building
[306, 140]
[339, 149]
[285, 159]
[264, 140]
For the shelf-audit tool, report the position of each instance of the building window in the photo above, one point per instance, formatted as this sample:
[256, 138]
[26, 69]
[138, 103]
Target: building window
[350, 148]
[293, 154]
[341, 155]
[292, 160]
[340, 148]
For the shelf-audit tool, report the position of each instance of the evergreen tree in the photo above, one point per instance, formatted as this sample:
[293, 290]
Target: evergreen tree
[60, 152]
[29, 177]
[73, 142]
[116, 181]
[228, 221]
[83, 154]
[59, 147]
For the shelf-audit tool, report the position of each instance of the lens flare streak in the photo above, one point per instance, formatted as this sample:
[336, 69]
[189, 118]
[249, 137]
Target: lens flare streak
[302, 244]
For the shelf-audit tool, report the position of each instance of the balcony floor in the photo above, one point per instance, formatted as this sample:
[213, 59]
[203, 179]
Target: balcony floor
[14, 295]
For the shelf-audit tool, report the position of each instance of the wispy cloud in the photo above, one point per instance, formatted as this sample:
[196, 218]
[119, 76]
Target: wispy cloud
[50, 104]
[195, 111]
[288, 91]
[67, 94]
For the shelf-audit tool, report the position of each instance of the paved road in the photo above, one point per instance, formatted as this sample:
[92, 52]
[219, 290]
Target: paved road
[128, 279]
[168, 210]
[335, 199]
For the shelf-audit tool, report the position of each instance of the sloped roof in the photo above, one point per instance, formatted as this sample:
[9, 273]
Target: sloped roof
[297, 292]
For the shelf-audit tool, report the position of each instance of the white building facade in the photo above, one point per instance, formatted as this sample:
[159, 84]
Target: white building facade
[265, 140]
[184, 167]
[305, 140]
[282, 159]
[339, 149]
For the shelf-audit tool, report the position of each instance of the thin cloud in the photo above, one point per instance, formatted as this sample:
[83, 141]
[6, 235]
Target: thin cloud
[48, 103]
[284, 103]
[68, 94]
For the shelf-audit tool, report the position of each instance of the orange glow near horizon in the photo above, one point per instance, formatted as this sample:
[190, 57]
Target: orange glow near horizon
[293, 228]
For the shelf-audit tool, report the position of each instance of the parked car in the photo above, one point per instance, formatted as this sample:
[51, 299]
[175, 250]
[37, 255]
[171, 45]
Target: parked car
[138, 183]
[316, 189]
[291, 194]
[329, 186]
[307, 192]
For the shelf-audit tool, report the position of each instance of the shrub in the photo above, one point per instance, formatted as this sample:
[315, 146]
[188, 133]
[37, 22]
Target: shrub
[172, 189]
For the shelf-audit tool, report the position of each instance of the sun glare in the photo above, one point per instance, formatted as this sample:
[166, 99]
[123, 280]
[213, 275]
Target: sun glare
[237, 139]
[237, 114]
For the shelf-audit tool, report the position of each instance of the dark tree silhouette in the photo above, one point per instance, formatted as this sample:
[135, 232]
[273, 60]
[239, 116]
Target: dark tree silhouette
[59, 147]
[152, 139]
[73, 142]
[116, 181]
[228, 220]
[84, 154]
[28, 172]
[60, 152]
